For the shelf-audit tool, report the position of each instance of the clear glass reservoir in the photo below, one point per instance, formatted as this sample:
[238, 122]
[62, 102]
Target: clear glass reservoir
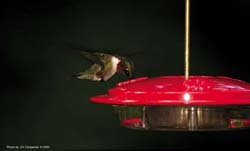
[184, 117]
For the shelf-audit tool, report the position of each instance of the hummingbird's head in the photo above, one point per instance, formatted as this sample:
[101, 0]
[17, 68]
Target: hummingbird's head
[126, 67]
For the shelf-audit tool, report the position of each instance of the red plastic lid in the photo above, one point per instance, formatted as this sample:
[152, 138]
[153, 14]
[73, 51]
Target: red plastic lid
[175, 90]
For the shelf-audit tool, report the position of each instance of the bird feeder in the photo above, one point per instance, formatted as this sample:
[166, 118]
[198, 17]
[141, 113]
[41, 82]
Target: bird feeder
[176, 103]
[189, 103]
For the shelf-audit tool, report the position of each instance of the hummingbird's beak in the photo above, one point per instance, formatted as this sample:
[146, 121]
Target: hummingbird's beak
[132, 77]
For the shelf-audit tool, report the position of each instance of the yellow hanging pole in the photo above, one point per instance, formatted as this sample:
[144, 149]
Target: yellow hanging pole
[187, 42]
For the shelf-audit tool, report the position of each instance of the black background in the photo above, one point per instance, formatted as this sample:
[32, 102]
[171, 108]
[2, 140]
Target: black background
[41, 104]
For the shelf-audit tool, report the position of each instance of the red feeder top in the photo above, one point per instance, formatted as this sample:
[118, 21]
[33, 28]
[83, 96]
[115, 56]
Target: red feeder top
[175, 90]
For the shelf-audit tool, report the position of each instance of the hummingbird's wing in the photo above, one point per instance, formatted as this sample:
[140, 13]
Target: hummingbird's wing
[121, 52]
[93, 57]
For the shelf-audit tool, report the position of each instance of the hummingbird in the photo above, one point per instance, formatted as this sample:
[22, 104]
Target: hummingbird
[105, 65]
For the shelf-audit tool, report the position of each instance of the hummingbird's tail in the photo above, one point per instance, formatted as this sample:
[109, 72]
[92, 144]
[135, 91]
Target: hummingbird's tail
[84, 76]
[81, 76]
[76, 75]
